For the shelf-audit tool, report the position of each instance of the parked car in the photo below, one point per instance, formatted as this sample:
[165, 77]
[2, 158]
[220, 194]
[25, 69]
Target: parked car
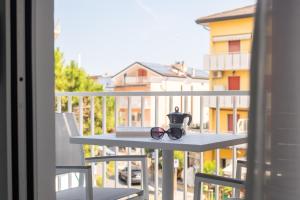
[136, 175]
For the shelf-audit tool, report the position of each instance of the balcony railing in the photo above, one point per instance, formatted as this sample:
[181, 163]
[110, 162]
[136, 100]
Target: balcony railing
[229, 61]
[163, 101]
[135, 102]
[137, 80]
[228, 101]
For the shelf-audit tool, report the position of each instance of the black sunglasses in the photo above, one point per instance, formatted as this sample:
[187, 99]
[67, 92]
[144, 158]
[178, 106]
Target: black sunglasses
[173, 133]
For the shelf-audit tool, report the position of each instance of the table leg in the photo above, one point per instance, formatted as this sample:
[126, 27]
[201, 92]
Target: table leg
[168, 175]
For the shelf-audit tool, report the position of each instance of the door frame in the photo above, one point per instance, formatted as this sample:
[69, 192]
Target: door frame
[27, 144]
[6, 189]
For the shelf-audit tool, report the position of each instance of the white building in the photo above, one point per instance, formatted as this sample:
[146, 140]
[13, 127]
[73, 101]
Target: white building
[141, 76]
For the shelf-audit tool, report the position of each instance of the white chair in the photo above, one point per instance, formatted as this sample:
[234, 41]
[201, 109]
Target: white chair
[70, 159]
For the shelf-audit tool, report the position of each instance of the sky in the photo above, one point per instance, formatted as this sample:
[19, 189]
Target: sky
[105, 36]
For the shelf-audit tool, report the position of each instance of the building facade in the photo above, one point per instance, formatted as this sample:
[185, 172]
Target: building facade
[228, 63]
[141, 76]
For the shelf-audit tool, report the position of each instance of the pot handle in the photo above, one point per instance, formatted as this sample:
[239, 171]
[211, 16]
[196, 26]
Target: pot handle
[189, 116]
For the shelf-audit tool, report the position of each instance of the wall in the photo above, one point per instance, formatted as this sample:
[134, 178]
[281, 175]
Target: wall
[244, 79]
[230, 27]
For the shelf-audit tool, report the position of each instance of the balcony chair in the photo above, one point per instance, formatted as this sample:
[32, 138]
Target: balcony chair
[70, 159]
[219, 180]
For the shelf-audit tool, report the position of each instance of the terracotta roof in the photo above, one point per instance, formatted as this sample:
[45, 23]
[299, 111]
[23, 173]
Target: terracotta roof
[247, 11]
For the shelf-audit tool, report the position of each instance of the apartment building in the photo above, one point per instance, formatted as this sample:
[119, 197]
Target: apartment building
[228, 63]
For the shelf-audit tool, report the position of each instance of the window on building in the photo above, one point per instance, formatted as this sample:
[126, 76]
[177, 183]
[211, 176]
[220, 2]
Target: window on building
[234, 46]
[233, 83]
[223, 163]
[142, 72]
[230, 121]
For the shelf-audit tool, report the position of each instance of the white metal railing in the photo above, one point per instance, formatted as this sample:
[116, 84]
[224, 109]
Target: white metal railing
[135, 102]
[228, 101]
[229, 61]
[200, 97]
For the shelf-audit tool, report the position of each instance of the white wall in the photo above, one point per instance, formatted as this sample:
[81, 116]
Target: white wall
[178, 84]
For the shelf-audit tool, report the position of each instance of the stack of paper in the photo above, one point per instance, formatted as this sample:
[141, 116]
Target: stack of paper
[133, 132]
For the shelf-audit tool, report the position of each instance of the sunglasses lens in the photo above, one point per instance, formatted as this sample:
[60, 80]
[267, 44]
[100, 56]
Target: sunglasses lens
[157, 133]
[175, 133]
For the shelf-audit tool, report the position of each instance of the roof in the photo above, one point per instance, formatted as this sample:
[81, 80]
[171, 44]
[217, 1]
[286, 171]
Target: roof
[247, 11]
[164, 70]
[170, 71]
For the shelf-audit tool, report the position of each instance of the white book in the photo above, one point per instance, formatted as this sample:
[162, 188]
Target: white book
[133, 132]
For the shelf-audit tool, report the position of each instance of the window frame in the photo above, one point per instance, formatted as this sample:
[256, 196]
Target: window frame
[27, 58]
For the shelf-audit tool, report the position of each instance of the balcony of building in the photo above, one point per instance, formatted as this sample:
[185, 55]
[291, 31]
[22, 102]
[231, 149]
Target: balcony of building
[229, 101]
[227, 61]
[135, 81]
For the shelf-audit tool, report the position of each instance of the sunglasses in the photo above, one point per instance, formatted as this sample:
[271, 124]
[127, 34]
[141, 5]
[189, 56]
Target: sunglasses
[173, 133]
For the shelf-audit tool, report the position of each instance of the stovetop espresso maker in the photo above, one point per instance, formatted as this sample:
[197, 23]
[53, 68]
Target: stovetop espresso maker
[177, 119]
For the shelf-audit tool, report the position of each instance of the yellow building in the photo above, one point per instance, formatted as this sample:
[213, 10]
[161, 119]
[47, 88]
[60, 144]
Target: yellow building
[228, 63]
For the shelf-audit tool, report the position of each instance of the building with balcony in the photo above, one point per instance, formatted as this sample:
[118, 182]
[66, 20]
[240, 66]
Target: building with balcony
[228, 63]
[145, 77]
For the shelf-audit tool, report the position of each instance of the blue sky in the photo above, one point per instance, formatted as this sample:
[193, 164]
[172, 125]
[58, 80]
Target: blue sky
[108, 35]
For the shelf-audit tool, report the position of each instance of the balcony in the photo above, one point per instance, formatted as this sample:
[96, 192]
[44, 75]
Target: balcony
[136, 80]
[83, 104]
[228, 102]
[229, 61]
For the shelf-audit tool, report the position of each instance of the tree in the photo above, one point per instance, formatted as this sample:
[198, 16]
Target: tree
[71, 78]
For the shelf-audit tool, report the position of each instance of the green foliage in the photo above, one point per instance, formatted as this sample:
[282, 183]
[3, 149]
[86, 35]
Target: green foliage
[99, 181]
[110, 169]
[227, 192]
[209, 167]
[71, 78]
[180, 156]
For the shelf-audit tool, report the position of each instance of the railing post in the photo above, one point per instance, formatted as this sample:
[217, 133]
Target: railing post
[171, 104]
[104, 132]
[93, 133]
[92, 118]
[201, 113]
[81, 115]
[69, 104]
[185, 175]
[59, 104]
[217, 151]
[116, 148]
[70, 180]
[201, 131]
[116, 169]
[234, 160]
[156, 154]
[58, 110]
[129, 148]
[185, 155]
[142, 120]
[142, 111]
